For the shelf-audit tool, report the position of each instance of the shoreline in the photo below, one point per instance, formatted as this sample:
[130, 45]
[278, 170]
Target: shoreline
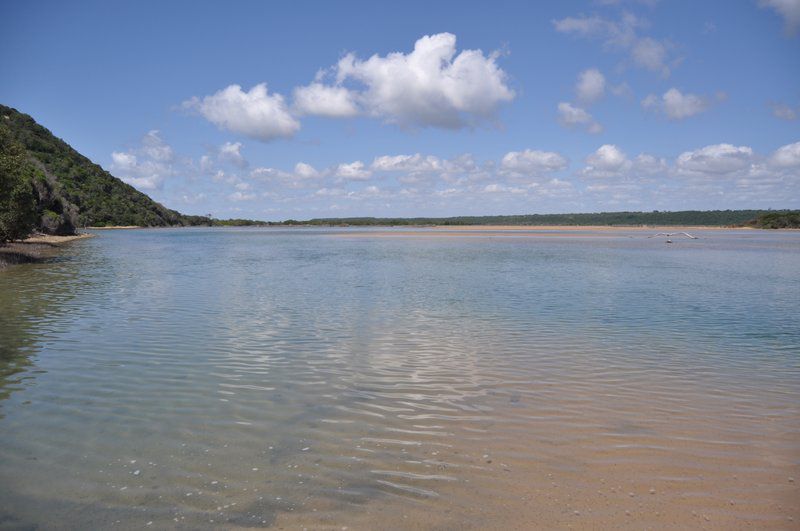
[474, 228]
[35, 249]
[479, 228]
[534, 231]
[117, 227]
[52, 239]
[587, 227]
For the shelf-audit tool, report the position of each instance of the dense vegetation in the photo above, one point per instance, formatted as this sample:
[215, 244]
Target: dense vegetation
[779, 219]
[69, 190]
[18, 213]
[687, 217]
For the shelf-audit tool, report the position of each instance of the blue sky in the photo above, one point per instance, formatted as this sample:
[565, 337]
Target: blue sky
[273, 111]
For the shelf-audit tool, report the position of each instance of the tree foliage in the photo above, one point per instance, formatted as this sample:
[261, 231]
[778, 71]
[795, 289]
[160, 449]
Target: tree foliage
[17, 194]
[780, 219]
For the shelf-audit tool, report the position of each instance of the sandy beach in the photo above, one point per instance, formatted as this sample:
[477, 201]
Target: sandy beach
[35, 248]
[116, 227]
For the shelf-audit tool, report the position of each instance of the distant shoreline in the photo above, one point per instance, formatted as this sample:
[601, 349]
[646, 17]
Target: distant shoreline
[40, 247]
[476, 227]
[530, 231]
[514, 227]
[588, 227]
[116, 227]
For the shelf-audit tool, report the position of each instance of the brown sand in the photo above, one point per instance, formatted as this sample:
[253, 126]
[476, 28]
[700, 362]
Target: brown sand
[669, 228]
[55, 240]
[36, 248]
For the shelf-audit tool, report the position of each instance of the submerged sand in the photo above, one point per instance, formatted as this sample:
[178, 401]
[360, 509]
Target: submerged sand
[604, 449]
[593, 463]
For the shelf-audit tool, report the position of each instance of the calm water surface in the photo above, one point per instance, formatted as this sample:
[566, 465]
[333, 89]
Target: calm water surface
[235, 378]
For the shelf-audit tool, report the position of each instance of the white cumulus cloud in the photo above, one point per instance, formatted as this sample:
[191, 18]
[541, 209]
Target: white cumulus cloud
[154, 147]
[324, 100]
[421, 169]
[611, 163]
[650, 54]
[591, 86]
[354, 171]
[717, 159]
[645, 164]
[787, 156]
[532, 162]
[145, 167]
[254, 113]
[789, 10]
[571, 116]
[432, 85]
[408, 163]
[607, 160]
[303, 175]
[676, 105]
[306, 171]
[231, 152]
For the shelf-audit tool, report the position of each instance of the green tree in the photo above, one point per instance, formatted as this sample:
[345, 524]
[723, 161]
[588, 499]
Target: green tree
[17, 194]
[782, 219]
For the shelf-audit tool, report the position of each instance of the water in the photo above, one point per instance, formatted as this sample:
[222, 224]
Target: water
[236, 378]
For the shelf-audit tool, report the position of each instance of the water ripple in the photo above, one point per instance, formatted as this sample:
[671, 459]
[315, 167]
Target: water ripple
[247, 377]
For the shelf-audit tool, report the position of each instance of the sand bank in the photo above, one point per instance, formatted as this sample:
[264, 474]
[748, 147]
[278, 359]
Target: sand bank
[116, 227]
[609, 228]
[53, 240]
[34, 249]
[533, 231]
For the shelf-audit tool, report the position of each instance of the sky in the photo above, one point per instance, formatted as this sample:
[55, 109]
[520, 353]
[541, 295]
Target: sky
[271, 111]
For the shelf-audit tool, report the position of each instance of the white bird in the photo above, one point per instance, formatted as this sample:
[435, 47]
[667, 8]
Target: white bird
[671, 234]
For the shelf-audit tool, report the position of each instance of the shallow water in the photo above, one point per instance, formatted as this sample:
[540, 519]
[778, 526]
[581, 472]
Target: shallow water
[235, 378]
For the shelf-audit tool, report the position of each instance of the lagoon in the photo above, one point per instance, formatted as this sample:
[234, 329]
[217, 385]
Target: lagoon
[403, 378]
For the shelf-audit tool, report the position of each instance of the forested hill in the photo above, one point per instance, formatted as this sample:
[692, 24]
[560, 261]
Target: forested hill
[69, 190]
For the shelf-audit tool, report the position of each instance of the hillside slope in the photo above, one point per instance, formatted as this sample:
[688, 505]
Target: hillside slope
[73, 191]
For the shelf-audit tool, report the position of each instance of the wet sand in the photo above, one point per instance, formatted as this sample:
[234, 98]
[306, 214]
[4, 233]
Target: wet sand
[54, 240]
[34, 249]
